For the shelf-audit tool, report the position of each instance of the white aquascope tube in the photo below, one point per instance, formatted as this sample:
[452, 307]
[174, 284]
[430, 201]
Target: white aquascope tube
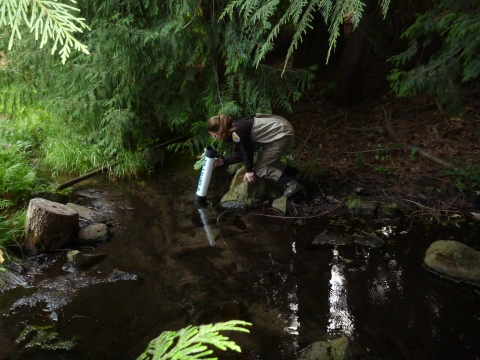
[205, 175]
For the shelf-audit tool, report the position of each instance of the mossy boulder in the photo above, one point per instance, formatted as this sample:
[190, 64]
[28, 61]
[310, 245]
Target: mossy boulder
[338, 349]
[281, 205]
[453, 260]
[244, 195]
[392, 209]
[358, 206]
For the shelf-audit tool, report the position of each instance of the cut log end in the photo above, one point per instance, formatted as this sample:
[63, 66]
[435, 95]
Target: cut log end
[48, 226]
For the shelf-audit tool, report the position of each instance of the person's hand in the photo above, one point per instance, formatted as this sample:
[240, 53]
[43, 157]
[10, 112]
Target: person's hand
[250, 176]
[218, 162]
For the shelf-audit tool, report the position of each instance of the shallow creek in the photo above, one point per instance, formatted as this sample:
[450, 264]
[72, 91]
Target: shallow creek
[196, 266]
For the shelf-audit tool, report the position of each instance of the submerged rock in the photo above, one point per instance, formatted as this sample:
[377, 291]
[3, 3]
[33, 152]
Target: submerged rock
[392, 209]
[118, 275]
[326, 238]
[87, 214]
[338, 349]
[82, 260]
[268, 320]
[359, 206]
[453, 260]
[368, 240]
[153, 155]
[95, 233]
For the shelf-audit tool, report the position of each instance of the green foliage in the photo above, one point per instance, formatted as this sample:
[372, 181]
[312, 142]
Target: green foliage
[168, 67]
[42, 338]
[359, 160]
[383, 170]
[17, 177]
[11, 229]
[199, 163]
[443, 52]
[266, 18]
[48, 20]
[414, 156]
[191, 342]
[467, 178]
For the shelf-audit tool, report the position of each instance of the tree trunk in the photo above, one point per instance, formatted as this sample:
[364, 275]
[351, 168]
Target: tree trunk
[313, 49]
[349, 76]
[49, 225]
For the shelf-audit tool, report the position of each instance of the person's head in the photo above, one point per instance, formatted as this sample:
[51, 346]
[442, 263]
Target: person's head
[220, 127]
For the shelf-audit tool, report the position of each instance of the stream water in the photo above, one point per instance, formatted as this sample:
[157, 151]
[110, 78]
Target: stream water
[188, 266]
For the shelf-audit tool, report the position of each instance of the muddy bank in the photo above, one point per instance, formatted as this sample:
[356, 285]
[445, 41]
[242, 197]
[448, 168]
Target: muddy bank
[197, 267]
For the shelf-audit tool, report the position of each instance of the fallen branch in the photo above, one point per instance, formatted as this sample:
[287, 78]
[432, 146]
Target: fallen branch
[81, 178]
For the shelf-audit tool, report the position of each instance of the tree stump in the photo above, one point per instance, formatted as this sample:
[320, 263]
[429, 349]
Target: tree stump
[49, 225]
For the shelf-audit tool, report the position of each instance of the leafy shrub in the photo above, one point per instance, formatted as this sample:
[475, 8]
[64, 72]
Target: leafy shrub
[443, 52]
[466, 178]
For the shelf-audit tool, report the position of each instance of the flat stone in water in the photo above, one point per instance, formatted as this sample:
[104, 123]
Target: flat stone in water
[118, 275]
[367, 240]
[86, 213]
[453, 260]
[327, 238]
[82, 260]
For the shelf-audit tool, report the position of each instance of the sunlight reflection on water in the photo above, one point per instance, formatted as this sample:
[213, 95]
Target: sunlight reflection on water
[340, 320]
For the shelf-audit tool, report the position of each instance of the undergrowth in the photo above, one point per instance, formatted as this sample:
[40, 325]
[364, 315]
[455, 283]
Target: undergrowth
[36, 147]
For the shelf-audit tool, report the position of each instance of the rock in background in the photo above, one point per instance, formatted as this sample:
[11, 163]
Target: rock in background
[453, 260]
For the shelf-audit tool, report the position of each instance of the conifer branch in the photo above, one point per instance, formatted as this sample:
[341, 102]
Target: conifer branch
[49, 20]
[189, 343]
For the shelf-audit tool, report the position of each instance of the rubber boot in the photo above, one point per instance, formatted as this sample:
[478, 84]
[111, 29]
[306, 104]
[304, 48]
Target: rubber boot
[291, 186]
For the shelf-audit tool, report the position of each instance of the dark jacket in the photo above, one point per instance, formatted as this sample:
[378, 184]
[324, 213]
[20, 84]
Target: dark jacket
[255, 131]
[241, 140]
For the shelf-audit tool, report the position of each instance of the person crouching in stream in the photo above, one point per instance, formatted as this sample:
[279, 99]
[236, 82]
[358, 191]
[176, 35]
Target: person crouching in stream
[272, 133]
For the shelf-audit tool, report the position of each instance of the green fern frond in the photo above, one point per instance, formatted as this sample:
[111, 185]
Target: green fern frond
[189, 343]
[385, 4]
[301, 28]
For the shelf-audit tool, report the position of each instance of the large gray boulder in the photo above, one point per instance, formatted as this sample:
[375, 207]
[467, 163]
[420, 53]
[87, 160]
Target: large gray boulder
[338, 349]
[453, 260]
